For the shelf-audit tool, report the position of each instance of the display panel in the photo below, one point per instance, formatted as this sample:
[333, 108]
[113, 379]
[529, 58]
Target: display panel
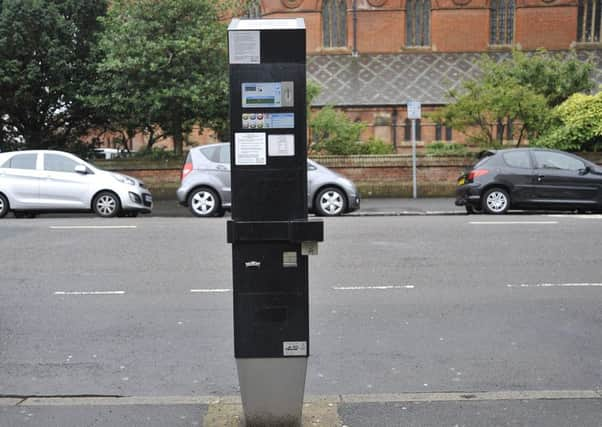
[267, 95]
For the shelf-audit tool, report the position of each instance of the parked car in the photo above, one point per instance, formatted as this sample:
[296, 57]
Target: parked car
[530, 178]
[55, 181]
[205, 185]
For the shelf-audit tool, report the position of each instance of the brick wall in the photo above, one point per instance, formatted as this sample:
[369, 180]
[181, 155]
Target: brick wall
[456, 25]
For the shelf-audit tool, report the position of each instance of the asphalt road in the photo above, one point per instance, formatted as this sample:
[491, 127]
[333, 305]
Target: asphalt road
[403, 310]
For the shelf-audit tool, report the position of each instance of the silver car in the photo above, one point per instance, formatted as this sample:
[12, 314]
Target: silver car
[54, 181]
[205, 185]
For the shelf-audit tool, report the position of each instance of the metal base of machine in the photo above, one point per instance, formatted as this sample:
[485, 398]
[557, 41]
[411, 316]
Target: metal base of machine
[272, 390]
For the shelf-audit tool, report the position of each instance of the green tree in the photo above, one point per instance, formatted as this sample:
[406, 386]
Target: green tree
[45, 63]
[334, 133]
[163, 67]
[577, 125]
[522, 90]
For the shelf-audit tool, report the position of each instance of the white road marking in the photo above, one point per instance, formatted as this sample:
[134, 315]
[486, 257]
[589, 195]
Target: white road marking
[92, 227]
[591, 216]
[513, 222]
[369, 288]
[89, 293]
[555, 285]
[209, 291]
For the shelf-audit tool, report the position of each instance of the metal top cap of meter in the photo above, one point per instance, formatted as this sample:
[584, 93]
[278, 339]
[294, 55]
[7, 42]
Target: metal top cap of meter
[266, 24]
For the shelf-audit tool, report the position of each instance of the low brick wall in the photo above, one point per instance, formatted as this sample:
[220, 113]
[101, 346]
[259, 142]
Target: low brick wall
[391, 175]
[376, 176]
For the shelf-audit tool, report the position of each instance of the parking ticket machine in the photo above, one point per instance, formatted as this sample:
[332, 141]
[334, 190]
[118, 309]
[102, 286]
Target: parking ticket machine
[270, 233]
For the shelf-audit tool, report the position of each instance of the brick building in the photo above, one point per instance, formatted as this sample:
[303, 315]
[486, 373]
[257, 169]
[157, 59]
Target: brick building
[371, 56]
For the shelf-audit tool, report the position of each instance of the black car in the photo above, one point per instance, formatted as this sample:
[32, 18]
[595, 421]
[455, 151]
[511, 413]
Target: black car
[530, 178]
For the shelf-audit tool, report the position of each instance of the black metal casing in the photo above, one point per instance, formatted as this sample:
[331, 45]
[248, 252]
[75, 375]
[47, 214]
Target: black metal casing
[269, 211]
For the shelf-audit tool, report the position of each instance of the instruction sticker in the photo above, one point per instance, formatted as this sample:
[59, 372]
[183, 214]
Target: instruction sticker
[294, 348]
[244, 47]
[281, 145]
[250, 149]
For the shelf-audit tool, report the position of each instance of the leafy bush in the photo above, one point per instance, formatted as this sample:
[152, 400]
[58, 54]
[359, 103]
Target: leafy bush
[334, 133]
[374, 146]
[440, 148]
[577, 125]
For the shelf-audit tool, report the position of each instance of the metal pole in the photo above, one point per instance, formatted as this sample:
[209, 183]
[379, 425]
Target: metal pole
[414, 195]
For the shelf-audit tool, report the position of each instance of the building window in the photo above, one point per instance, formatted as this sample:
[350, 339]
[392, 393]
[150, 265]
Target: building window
[334, 23]
[439, 130]
[253, 9]
[588, 21]
[501, 24]
[418, 23]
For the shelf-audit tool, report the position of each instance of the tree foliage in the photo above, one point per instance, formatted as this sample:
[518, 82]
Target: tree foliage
[163, 67]
[577, 125]
[45, 63]
[521, 90]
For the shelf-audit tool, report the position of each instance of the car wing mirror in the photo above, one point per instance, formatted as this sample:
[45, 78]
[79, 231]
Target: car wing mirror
[81, 169]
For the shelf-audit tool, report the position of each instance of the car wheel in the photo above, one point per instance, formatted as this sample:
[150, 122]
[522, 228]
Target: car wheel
[106, 204]
[204, 202]
[3, 206]
[330, 202]
[496, 201]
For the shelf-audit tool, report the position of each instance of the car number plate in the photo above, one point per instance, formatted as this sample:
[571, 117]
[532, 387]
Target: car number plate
[461, 181]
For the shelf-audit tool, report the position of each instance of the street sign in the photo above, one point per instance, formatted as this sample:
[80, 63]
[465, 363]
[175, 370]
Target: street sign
[414, 110]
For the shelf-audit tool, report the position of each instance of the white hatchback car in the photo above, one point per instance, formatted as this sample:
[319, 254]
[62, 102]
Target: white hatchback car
[55, 181]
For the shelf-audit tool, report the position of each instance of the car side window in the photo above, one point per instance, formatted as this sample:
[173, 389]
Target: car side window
[22, 161]
[224, 154]
[212, 153]
[517, 159]
[58, 163]
[552, 160]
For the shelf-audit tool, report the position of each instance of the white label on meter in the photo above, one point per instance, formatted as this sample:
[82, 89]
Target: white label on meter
[244, 47]
[294, 348]
[250, 149]
[281, 145]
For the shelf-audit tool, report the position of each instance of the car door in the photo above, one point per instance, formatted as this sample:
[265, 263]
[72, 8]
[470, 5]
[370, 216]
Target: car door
[62, 187]
[218, 167]
[20, 180]
[560, 179]
[518, 174]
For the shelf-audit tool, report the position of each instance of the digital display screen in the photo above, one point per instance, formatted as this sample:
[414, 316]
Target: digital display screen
[267, 94]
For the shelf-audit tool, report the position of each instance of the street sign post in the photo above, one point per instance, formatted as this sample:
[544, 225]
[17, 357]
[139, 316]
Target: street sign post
[270, 234]
[414, 113]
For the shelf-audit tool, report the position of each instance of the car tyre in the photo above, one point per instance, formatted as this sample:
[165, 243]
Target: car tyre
[470, 209]
[204, 202]
[4, 206]
[330, 201]
[106, 204]
[496, 201]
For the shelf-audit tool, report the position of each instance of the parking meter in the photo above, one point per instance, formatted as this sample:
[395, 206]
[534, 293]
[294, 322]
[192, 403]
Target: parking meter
[270, 234]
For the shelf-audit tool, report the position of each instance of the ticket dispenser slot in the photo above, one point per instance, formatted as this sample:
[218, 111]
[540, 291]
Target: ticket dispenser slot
[269, 230]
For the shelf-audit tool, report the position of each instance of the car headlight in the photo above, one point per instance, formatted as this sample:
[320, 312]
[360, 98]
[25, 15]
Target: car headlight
[124, 179]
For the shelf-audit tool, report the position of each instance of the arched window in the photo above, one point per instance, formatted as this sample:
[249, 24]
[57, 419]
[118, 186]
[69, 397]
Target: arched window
[253, 9]
[588, 21]
[334, 23]
[418, 23]
[501, 22]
